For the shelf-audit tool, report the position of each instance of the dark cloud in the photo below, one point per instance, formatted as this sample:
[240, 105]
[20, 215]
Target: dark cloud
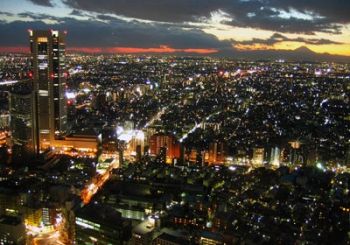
[46, 3]
[336, 11]
[38, 17]
[277, 38]
[264, 14]
[16, 32]
[92, 33]
[270, 20]
[158, 10]
[77, 13]
[6, 13]
[105, 17]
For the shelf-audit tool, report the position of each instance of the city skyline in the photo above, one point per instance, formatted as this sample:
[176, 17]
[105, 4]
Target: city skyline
[226, 28]
[182, 122]
[187, 150]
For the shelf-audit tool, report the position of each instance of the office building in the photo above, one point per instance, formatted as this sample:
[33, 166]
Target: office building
[275, 157]
[216, 153]
[4, 120]
[103, 227]
[3, 138]
[142, 234]
[22, 111]
[47, 49]
[39, 116]
[169, 239]
[210, 238]
[258, 157]
[295, 156]
[165, 144]
[12, 230]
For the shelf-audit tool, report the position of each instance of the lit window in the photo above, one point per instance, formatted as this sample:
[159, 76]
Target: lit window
[42, 39]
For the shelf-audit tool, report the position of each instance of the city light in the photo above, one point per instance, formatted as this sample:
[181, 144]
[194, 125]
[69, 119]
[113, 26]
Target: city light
[188, 135]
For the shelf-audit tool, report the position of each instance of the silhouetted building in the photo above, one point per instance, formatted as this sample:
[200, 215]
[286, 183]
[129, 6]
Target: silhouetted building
[104, 226]
[347, 155]
[4, 120]
[109, 140]
[22, 123]
[12, 230]
[168, 239]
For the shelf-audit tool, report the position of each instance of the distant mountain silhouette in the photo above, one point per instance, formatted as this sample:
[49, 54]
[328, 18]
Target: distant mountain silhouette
[303, 49]
[300, 54]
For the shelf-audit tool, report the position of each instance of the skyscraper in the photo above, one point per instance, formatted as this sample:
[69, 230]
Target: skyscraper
[22, 124]
[49, 79]
[258, 157]
[275, 157]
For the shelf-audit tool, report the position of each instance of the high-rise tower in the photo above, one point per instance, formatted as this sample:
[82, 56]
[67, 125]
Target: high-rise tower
[21, 122]
[49, 80]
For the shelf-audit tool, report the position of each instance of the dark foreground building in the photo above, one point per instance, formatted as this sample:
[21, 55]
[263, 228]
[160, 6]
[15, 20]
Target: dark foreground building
[96, 224]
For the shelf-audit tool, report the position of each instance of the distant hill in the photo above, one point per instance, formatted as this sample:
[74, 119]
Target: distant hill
[300, 54]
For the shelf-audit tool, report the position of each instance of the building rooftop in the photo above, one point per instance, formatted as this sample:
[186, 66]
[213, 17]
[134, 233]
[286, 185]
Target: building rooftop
[22, 88]
[144, 227]
[10, 220]
[100, 214]
[173, 239]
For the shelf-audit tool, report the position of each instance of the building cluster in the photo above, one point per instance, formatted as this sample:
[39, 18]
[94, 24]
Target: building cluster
[207, 103]
[115, 149]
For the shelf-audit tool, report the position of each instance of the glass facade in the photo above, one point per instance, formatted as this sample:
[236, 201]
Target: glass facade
[48, 67]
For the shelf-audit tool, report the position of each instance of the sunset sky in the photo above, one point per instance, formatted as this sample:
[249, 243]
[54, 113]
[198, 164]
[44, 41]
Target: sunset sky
[181, 26]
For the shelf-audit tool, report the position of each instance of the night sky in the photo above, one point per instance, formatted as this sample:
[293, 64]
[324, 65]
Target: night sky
[181, 26]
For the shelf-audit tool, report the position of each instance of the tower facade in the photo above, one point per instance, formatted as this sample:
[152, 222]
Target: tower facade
[21, 123]
[47, 49]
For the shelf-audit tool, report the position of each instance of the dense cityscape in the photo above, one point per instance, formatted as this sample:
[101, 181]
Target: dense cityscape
[194, 150]
[180, 148]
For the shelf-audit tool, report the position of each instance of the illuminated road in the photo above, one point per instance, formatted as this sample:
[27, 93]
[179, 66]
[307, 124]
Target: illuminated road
[156, 117]
[198, 125]
[8, 82]
[47, 236]
[100, 179]
[51, 238]
[97, 182]
[91, 189]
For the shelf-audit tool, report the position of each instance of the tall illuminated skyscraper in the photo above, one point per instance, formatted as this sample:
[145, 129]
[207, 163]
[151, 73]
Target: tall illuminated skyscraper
[49, 80]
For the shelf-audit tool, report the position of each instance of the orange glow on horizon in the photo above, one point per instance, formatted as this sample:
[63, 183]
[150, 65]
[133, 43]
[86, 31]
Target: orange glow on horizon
[120, 50]
[342, 49]
[135, 50]
[15, 49]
